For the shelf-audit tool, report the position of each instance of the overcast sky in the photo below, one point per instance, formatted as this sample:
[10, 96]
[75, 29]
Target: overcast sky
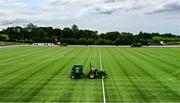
[102, 15]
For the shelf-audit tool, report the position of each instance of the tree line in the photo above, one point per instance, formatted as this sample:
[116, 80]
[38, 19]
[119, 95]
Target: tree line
[75, 36]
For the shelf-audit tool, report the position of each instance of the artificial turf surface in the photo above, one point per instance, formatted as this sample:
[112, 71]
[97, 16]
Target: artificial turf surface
[41, 74]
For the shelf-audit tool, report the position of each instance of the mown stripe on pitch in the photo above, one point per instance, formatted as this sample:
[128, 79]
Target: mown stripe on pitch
[64, 90]
[160, 60]
[168, 52]
[14, 70]
[117, 93]
[146, 59]
[18, 69]
[148, 94]
[163, 86]
[12, 58]
[32, 94]
[44, 66]
[4, 91]
[51, 78]
[174, 71]
[168, 71]
[150, 60]
[21, 68]
[124, 73]
[141, 93]
[14, 51]
[120, 66]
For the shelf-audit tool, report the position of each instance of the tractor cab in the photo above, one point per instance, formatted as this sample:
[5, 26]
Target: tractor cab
[77, 72]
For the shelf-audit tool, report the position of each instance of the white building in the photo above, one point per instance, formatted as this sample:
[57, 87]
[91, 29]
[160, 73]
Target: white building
[43, 44]
[162, 43]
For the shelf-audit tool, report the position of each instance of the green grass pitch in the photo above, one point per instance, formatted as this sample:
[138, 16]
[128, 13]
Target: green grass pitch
[41, 74]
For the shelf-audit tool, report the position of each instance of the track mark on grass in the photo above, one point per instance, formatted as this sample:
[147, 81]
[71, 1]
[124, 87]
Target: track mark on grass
[139, 92]
[25, 54]
[71, 94]
[103, 87]
[15, 84]
[176, 96]
[36, 91]
[28, 64]
[158, 59]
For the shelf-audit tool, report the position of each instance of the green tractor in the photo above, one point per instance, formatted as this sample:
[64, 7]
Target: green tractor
[96, 73]
[77, 72]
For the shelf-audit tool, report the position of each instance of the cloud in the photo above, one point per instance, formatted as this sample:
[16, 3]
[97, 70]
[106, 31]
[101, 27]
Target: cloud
[108, 10]
[67, 12]
[15, 21]
[2, 14]
[66, 9]
[170, 7]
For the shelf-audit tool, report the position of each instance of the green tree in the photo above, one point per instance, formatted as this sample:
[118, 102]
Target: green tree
[83, 41]
[101, 41]
[91, 41]
[4, 37]
[67, 33]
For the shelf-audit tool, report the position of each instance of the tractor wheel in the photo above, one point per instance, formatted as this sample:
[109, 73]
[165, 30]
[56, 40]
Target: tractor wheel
[103, 76]
[72, 76]
[91, 75]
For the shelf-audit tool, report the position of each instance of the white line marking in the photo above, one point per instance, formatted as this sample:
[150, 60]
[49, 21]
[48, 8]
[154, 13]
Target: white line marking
[103, 88]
